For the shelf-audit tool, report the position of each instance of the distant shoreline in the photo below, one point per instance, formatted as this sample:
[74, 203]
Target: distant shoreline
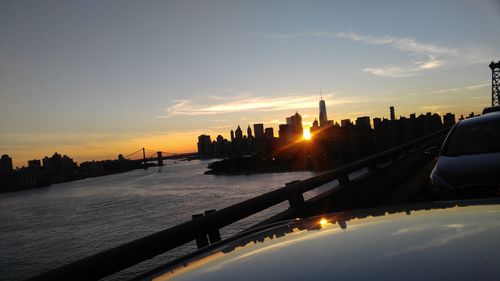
[252, 164]
[82, 175]
[77, 178]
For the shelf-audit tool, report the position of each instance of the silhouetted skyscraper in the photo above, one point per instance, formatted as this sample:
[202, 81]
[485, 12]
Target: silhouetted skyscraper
[258, 130]
[53, 163]
[68, 163]
[219, 145]
[323, 119]
[393, 114]
[204, 144]
[294, 123]
[315, 123]
[269, 132]
[232, 135]
[449, 119]
[377, 122]
[34, 164]
[249, 132]
[363, 122]
[5, 164]
[283, 131]
[345, 122]
[238, 134]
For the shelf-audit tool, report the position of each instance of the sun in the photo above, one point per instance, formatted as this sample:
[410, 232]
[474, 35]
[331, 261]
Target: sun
[307, 134]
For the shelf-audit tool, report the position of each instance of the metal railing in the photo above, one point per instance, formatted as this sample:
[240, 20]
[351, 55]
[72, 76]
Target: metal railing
[116, 259]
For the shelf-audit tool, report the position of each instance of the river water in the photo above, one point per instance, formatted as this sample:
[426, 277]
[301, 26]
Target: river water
[48, 227]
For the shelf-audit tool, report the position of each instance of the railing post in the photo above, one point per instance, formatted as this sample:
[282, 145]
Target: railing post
[296, 200]
[344, 179]
[213, 234]
[201, 240]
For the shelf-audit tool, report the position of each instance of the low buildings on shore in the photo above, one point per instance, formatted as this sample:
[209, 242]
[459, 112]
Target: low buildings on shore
[57, 168]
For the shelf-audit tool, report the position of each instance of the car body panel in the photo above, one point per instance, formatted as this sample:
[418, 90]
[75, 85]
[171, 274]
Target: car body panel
[464, 170]
[422, 243]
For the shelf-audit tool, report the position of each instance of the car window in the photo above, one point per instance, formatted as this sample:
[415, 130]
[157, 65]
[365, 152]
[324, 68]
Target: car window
[482, 138]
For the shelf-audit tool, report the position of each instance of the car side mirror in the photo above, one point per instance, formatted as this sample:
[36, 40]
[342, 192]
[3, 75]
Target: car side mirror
[432, 151]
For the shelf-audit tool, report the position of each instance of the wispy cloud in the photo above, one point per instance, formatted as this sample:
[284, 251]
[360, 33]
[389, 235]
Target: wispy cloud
[433, 108]
[409, 69]
[479, 85]
[196, 107]
[451, 90]
[423, 56]
[407, 44]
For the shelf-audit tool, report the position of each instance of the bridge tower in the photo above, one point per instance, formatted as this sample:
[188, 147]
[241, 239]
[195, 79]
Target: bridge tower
[495, 83]
[160, 158]
[144, 156]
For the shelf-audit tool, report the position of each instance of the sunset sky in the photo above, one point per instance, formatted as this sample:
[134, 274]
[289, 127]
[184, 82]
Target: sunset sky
[93, 79]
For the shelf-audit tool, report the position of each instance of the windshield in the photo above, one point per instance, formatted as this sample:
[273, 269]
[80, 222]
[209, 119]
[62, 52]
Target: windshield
[480, 138]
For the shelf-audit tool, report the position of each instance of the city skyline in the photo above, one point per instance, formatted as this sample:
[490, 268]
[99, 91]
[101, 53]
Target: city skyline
[93, 80]
[299, 132]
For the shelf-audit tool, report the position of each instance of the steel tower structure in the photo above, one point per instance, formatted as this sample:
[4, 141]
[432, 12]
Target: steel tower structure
[495, 83]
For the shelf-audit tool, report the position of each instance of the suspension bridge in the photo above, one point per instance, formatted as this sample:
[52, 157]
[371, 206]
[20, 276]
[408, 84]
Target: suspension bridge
[147, 155]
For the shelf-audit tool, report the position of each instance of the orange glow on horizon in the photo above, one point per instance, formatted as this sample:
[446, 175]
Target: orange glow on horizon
[88, 147]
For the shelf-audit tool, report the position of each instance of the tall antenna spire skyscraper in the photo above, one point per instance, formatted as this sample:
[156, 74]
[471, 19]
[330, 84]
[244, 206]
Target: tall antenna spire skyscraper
[323, 119]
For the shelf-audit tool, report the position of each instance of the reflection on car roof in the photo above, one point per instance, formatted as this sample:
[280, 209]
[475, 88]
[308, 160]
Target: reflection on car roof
[492, 117]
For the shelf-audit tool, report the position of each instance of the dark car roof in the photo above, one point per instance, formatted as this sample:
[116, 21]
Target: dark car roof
[437, 241]
[490, 109]
[492, 117]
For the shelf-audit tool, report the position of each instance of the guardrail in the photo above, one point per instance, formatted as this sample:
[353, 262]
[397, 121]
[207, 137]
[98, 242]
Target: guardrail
[116, 259]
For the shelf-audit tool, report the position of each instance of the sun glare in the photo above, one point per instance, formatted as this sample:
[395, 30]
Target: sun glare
[307, 134]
